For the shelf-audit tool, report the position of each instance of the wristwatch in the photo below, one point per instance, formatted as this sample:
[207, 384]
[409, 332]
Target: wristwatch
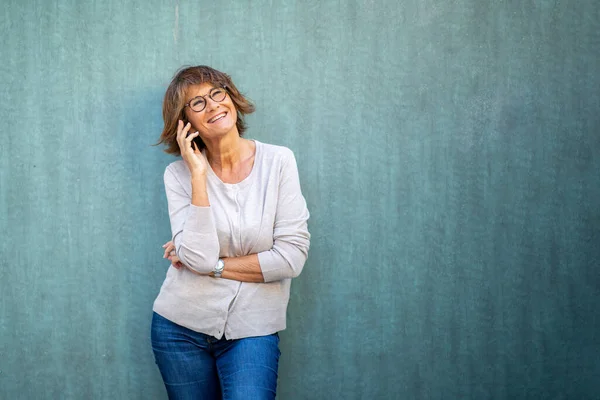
[219, 268]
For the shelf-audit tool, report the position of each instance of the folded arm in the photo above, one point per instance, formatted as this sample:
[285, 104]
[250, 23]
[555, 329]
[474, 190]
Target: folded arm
[193, 228]
[193, 224]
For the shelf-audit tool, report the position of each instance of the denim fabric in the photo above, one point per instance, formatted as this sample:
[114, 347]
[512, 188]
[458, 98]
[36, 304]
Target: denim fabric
[198, 366]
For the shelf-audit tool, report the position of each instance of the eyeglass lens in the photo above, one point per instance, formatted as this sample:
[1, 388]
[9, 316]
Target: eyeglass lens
[216, 94]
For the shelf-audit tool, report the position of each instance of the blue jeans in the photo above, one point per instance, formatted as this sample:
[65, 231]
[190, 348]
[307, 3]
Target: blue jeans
[197, 366]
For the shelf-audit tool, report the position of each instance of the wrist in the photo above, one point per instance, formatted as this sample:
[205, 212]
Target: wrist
[218, 271]
[198, 175]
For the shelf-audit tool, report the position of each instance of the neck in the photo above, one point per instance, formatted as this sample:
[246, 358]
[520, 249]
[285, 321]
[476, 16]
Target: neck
[226, 153]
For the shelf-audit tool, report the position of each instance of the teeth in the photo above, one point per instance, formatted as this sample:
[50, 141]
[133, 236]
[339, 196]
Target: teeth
[217, 117]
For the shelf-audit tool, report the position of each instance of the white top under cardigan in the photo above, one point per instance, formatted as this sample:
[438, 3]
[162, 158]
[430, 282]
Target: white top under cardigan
[265, 214]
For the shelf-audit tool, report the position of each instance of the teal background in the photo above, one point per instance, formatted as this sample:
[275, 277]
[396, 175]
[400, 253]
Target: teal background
[449, 152]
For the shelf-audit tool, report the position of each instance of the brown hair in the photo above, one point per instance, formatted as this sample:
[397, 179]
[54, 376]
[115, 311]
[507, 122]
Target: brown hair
[174, 102]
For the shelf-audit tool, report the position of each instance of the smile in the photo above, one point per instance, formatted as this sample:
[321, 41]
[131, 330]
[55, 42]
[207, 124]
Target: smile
[217, 117]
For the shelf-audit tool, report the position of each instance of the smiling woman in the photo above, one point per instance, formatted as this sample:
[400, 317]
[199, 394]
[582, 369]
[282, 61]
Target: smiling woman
[239, 235]
[177, 99]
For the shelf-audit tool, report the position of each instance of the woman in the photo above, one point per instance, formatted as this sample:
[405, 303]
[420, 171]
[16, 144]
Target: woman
[239, 234]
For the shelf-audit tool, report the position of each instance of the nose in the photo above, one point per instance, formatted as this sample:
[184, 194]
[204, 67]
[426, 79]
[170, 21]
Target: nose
[210, 103]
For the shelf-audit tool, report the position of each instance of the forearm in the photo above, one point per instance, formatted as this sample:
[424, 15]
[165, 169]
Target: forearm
[193, 230]
[284, 261]
[199, 192]
[243, 269]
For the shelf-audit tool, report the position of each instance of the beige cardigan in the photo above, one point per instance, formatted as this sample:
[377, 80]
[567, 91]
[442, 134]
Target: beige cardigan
[265, 214]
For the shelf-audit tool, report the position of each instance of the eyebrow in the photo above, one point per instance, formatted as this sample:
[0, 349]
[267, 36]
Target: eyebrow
[211, 89]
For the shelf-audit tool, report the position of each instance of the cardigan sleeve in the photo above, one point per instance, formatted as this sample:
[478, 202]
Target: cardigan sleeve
[193, 228]
[291, 239]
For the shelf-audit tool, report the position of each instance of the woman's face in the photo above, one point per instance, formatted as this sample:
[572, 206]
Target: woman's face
[217, 119]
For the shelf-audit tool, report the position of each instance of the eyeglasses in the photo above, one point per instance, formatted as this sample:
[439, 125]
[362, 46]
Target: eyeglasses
[198, 103]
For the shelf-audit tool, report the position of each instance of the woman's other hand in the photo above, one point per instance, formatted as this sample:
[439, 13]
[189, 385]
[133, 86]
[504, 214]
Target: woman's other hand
[171, 255]
[190, 153]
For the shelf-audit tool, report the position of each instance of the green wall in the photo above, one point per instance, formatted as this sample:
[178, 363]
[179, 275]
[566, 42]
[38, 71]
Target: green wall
[449, 152]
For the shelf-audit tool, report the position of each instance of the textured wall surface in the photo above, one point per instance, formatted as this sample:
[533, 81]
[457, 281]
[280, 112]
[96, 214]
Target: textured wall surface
[449, 152]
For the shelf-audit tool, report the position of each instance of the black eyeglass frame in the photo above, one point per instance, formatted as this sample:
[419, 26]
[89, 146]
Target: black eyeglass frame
[209, 94]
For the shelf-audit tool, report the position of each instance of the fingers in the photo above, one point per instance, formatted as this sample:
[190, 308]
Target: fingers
[184, 138]
[189, 139]
[169, 247]
[171, 255]
[182, 131]
[175, 262]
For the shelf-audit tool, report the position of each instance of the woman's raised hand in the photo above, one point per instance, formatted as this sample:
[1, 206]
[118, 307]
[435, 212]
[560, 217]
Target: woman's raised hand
[193, 157]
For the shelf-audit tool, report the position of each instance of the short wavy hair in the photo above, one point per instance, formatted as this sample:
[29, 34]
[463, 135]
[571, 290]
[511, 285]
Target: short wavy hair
[174, 102]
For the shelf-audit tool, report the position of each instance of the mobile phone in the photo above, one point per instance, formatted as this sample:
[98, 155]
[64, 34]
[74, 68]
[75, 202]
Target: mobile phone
[197, 140]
